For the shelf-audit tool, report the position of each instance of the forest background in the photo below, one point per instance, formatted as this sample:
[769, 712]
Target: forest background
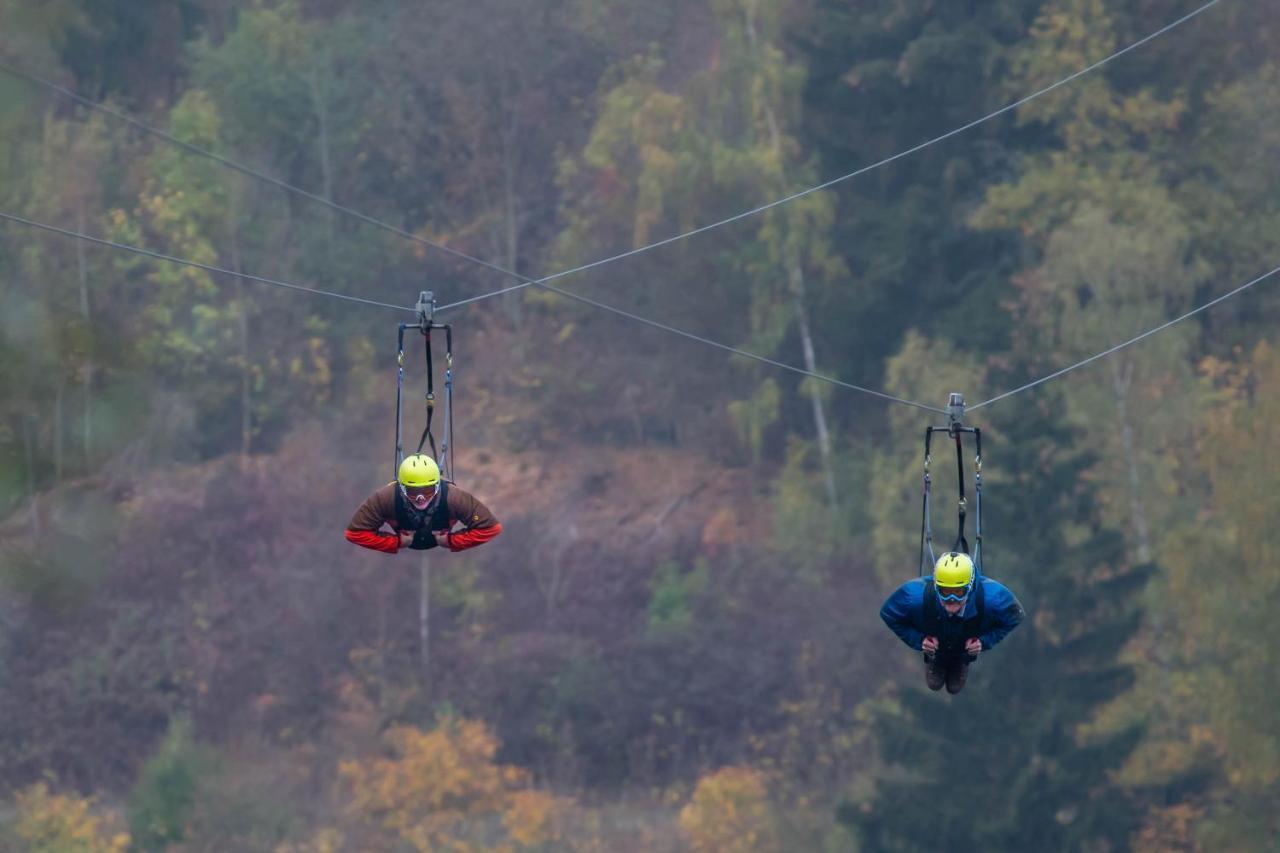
[674, 645]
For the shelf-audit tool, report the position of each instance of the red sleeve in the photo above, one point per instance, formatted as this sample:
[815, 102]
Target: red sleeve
[388, 542]
[464, 539]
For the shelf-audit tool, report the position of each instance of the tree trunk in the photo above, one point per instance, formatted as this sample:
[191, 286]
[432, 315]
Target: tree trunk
[58, 395]
[811, 365]
[29, 448]
[511, 221]
[320, 102]
[246, 385]
[511, 204]
[1122, 382]
[83, 267]
[796, 282]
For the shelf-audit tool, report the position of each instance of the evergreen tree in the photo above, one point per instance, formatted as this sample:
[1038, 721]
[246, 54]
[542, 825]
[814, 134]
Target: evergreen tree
[1007, 760]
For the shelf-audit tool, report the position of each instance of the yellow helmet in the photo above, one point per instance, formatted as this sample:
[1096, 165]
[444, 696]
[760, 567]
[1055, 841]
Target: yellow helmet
[953, 569]
[418, 471]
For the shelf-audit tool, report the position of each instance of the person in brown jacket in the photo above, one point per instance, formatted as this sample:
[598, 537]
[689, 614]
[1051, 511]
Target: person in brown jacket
[422, 510]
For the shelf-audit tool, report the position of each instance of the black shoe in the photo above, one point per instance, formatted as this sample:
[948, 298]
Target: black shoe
[956, 674]
[935, 674]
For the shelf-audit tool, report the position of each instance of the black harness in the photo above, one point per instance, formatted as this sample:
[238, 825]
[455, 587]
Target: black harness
[436, 517]
[951, 632]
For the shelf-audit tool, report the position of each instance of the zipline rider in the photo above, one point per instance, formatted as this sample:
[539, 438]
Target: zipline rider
[952, 616]
[422, 510]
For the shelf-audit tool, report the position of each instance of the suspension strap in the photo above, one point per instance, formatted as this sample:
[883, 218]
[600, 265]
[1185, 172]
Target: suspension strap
[395, 471]
[426, 309]
[431, 393]
[444, 455]
[961, 544]
[955, 429]
[446, 445]
[926, 527]
[977, 497]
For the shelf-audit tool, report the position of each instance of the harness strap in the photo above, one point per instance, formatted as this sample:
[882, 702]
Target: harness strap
[926, 526]
[961, 544]
[444, 455]
[431, 395]
[933, 618]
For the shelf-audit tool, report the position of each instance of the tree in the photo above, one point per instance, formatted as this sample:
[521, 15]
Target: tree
[729, 811]
[1115, 257]
[722, 140]
[440, 787]
[1222, 575]
[65, 823]
[883, 77]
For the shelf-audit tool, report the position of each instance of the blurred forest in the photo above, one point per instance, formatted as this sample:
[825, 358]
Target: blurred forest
[674, 645]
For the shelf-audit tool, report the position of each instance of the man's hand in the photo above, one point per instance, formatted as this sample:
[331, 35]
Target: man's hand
[406, 538]
[929, 644]
[973, 646]
[442, 538]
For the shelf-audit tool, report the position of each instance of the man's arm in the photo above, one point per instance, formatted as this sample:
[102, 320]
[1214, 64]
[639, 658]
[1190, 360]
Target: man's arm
[1005, 613]
[478, 524]
[900, 611]
[365, 527]
[386, 542]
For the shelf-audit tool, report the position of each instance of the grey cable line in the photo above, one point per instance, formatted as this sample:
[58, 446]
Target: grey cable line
[186, 263]
[159, 256]
[691, 336]
[251, 172]
[746, 213]
[1129, 342]
[526, 280]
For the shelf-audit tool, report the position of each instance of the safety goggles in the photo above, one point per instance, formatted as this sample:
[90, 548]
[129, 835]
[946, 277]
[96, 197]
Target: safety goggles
[420, 494]
[954, 593]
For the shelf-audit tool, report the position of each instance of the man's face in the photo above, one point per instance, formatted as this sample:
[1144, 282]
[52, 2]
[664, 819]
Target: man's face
[953, 598]
[419, 496]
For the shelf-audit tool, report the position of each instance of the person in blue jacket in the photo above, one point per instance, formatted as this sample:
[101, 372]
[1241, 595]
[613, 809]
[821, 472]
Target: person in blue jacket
[950, 618]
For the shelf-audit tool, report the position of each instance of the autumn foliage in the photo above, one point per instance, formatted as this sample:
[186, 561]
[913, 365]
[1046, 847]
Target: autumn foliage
[443, 790]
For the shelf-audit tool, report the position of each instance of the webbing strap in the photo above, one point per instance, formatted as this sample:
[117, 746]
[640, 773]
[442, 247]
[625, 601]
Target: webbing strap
[927, 554]
[961, 544]
[926, 526]
[431, 395]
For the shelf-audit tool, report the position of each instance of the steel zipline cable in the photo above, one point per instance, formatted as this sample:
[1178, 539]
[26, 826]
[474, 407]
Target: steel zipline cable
[526, 281]
[247, 170]
[662, 326]
[762, 359]
[1106, 352]
[297, 287]
[124, 247]
[861, 171]
[657, 325]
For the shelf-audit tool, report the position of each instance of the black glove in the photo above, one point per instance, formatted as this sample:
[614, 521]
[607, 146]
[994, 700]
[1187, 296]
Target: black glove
[423, 539]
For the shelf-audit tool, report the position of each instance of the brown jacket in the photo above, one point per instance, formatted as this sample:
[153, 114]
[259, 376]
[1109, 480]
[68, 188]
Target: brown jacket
[478, 524]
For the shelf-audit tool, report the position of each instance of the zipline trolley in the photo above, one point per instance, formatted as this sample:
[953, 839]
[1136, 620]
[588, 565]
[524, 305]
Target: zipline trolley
[955, 428]
[425, 308]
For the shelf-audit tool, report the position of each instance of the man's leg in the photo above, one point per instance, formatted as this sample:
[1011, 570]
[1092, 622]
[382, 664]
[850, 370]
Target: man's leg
[956, 672]
[935, 672]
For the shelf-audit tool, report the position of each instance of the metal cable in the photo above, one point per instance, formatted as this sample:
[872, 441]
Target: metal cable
[753, 211]
[527, 281]
[1134, 340]
[655, 324]
[186, 263]
[157, 255]
[251, 172]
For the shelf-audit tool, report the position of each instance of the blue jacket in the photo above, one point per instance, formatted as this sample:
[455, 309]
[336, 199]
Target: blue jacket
[903, 612]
